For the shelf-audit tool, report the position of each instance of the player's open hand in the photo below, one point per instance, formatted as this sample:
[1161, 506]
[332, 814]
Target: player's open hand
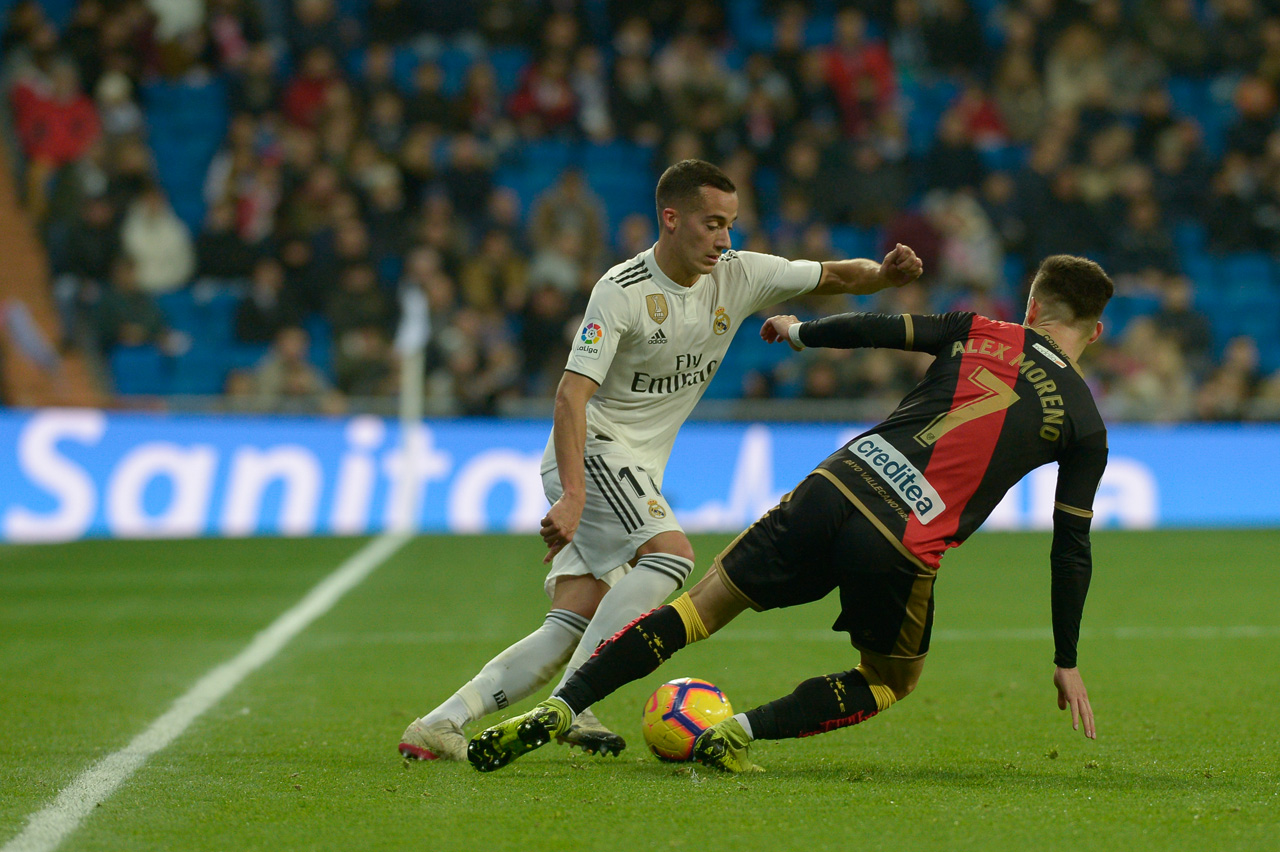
[559, 526]
[901, 266]
[777, 329]
[1071, 693]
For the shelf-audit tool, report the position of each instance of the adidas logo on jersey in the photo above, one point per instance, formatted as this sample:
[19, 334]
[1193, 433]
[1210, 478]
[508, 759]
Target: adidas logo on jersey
[658, 337]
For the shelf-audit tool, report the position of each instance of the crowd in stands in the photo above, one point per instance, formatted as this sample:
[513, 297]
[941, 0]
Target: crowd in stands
[241, 197]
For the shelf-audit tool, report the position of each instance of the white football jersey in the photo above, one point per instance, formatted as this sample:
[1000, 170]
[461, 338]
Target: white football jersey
[653, 345]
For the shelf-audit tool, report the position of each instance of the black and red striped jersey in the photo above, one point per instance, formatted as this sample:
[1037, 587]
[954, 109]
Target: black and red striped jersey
[999, 400]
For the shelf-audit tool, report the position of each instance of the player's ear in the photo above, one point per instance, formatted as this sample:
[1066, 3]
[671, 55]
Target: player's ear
[669, 218]
[1097, 332]
[1033, 310]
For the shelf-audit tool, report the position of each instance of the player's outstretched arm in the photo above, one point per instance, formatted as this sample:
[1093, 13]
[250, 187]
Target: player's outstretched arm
[1071, 693]
[861, 277]
[569, 433]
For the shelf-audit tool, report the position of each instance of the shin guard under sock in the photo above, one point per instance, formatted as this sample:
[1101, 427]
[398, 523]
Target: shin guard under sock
[816, 706]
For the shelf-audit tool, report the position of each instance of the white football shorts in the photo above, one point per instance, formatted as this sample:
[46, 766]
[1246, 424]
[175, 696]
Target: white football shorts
[623, 510]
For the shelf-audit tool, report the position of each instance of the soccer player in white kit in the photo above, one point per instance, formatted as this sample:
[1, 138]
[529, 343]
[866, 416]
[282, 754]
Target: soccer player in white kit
[655, 331]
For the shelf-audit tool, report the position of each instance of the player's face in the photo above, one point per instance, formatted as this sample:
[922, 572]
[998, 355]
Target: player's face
[703, 234]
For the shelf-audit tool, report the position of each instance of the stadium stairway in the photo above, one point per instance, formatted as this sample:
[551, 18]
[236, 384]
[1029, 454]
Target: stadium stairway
[34, 372]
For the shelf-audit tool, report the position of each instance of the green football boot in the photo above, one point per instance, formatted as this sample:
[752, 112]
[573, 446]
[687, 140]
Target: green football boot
[724, 746]
[493, 748]
[589, 734]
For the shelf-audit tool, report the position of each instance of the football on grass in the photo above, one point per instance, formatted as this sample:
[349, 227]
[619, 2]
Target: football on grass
[677, 712]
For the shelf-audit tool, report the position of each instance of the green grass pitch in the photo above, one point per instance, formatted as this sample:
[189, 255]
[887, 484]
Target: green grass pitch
[1180, 653]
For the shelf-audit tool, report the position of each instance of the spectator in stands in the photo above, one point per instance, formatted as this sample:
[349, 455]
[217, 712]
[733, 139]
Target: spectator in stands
[1179, 321]
[307, 94]
[358, 303]
[428, 103]
[235, 27]
[318, 24]
[1255, 102]
[1225, 393]
[1236, 45]
[1156, 384]
[1076, 65]
[481, 365]
[1232, 195]
[56, 125]
[286, 380]
[951, 33]
[493, 279]
[220, 250]
[546, 327]
[127, 315]
[1143, 243]
[1177, 36]
[158, 242]
[468, 179]
[119, 113]
[393, 22]
[636, 104]
[545, 102]
[268, 307]
[859, 71]
[570, 204]
[255, 89]
[953, 162]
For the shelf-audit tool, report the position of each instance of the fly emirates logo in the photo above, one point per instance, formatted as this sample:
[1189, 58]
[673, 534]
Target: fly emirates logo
[901, 474]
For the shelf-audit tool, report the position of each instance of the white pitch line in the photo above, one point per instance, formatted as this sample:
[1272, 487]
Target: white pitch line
[48, 827]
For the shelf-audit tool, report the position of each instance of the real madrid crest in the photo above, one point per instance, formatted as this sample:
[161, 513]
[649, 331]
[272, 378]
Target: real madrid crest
[656, 510]
[657, 304]
[721, 321]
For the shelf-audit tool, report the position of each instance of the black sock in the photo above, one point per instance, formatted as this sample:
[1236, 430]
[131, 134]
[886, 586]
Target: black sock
[632, 653]
[818, 705]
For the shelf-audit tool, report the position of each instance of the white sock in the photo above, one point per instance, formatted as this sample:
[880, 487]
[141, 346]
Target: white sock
[517, 672]
[655, 576]
[746, 726]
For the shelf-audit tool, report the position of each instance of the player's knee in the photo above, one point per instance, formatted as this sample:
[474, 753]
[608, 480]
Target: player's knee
[901, 689]
[580, 594]
[670, 542]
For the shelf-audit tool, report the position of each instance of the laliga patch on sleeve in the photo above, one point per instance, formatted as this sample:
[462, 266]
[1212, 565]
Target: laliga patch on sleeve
[589, 341]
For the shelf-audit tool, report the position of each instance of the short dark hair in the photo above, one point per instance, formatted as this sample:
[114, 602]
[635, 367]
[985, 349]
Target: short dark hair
[1073, 289]
[680, 184]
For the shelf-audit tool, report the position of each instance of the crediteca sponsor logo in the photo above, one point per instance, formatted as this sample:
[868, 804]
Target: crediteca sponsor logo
[900, 474]
[588, 345]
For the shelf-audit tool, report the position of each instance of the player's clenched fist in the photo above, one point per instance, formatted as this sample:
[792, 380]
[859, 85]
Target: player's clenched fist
[901, 266]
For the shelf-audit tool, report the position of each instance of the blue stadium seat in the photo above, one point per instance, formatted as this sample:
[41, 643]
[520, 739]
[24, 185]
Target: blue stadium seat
[454, 62]
[139, 370]
[852, 241]
[201, 371]
[1246, 275]
[618, 156]
[1189, 238]
[508, 63]
[179, 309]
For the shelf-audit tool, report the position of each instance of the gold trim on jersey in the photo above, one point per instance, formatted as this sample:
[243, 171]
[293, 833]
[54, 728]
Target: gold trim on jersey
[657, 305]
[915, 615]
[876, 522]
[1072, 510]
[911, 331]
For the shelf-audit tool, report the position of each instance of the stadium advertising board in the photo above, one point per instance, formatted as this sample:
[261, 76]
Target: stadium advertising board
[69, 474]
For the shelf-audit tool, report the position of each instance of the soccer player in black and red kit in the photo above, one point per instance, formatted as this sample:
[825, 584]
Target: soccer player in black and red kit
[875, 517]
